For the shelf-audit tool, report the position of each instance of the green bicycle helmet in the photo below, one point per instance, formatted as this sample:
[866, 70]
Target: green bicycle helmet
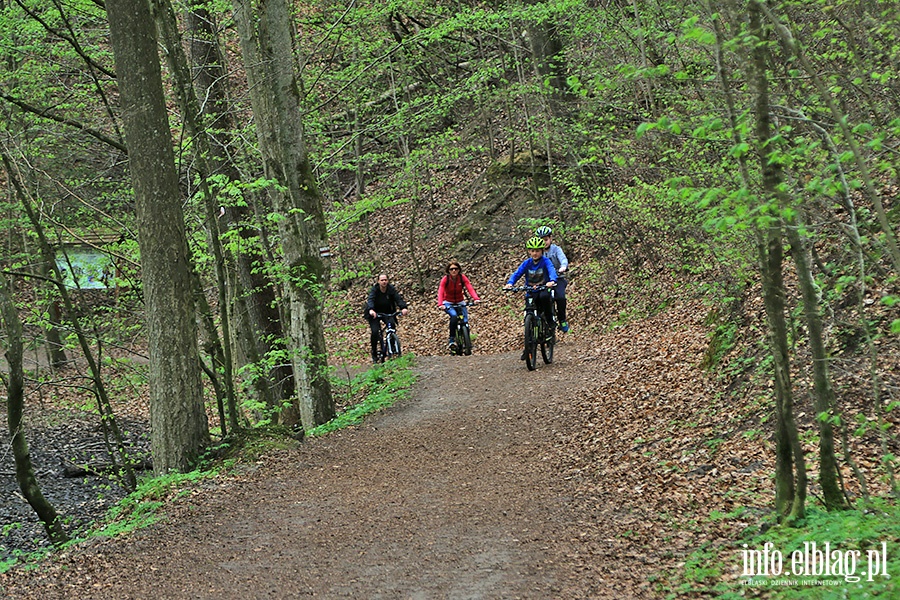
[543, 231]
[535, 243]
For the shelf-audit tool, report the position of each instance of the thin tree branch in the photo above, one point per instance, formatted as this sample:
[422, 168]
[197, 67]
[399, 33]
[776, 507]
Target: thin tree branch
[71, 40]
[46, 114]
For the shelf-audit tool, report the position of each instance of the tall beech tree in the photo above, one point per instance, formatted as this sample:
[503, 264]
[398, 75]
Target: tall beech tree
[218, 349]
[255, 320]
[268, 50]
[179, 428]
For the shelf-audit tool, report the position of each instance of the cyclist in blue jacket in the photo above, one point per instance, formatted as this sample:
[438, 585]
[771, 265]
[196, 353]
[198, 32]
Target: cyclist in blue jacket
[538, 271]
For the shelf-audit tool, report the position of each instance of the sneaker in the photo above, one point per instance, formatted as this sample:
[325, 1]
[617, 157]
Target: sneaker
[564, 327]
[452, 346]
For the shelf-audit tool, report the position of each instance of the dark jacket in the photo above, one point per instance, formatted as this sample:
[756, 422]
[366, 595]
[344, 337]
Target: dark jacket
[384, 302]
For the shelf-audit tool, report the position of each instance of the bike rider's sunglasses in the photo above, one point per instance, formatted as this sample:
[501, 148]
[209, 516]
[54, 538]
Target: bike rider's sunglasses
[454, 268]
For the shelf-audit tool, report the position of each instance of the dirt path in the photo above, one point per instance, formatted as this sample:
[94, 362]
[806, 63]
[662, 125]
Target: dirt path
[450, 494]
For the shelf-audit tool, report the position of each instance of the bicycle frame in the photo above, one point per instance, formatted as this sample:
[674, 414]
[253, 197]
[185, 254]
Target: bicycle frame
[389, 343]
[462, 335]
[530, 305]
[538, 332]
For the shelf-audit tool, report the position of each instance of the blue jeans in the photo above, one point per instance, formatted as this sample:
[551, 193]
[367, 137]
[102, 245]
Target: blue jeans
[455, 311]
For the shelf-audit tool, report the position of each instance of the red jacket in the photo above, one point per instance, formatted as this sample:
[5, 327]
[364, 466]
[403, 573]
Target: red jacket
[450, 290]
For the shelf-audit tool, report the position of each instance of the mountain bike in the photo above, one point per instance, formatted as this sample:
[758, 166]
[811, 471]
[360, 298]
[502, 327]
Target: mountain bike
[462, 336]
[389, 343]
[538, 332]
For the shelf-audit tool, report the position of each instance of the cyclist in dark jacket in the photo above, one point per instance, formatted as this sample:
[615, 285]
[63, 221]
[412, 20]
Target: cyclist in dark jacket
[383, 298]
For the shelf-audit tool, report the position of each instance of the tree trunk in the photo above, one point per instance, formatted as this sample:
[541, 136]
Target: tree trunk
[179, 428]
[770, 268]
[822, 390]
[15, 407]
[790, 500]
[267, 46]
[55, 347]
[218, 348]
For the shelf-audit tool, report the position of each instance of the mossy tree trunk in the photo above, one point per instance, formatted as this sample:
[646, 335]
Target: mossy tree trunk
[179, 427]
[790, 473]
[267, 44]
[822, 390]
[55, 347]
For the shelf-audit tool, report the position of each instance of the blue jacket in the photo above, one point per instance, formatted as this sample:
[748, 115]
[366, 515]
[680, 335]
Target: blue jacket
[536, 272]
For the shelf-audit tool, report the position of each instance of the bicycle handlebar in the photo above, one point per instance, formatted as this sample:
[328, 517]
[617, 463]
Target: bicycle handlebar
[388, 315]
[529, 288]
[459, 304]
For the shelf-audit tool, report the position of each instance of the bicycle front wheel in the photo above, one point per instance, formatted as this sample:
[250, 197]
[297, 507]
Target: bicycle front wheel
[458, 341]
[532, 329]
[466, 340]
[393, 345]
[382, 349]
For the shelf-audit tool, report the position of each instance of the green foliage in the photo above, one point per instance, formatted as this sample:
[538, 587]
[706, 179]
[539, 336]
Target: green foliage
[722, 339]
[384, 385]
[700, 568]
[861, 529]
[29, 559]
[528, 225]
[139, 509]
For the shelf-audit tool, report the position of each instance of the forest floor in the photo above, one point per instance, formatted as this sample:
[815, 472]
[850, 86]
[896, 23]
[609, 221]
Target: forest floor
[587, 478]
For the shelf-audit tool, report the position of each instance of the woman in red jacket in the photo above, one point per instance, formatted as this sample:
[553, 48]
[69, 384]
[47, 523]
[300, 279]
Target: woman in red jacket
[451, 296]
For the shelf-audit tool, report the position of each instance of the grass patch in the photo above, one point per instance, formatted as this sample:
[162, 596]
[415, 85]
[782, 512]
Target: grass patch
[382, 386]
[861, 559]
[26, 558]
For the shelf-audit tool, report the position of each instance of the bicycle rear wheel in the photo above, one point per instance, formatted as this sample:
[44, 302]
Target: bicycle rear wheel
[531, 341]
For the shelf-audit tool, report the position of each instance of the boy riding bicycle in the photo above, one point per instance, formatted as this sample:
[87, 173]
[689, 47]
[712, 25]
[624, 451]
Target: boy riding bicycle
[561, 264]
[538, 271]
